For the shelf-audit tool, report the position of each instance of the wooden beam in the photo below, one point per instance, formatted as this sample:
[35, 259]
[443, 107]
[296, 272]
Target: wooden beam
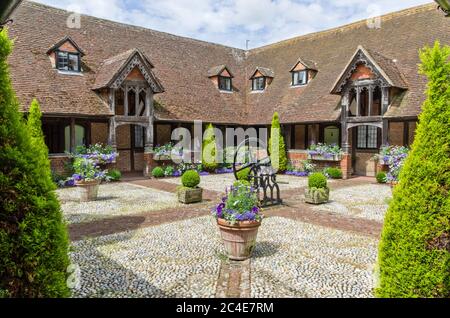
[125, 106]
[72, 135]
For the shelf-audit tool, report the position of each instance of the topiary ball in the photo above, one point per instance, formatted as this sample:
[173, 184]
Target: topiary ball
[190, 179]
[381, 177]
[317, 180]
[158, 172]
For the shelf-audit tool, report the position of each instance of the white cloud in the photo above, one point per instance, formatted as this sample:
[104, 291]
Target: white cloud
[232, 22]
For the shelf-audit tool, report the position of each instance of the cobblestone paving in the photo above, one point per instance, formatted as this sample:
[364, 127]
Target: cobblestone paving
[183, 259]
[368, 201]
[220, 182]
[180, 259]
[114, 199]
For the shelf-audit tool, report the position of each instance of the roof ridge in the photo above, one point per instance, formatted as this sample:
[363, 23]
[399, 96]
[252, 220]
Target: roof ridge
[349, 26]
[130, 26]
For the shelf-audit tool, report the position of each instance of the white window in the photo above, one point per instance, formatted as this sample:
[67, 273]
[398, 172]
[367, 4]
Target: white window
[299, 78]
[259, 83]
[68, 61]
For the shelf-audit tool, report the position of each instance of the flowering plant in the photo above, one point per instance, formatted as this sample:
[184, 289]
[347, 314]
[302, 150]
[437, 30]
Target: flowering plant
[324, 150]
[168, 150]
[87, 170]
[239, 204]
[394, 157]
[98, 153]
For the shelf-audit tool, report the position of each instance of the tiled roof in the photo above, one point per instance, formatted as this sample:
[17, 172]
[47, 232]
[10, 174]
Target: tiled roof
[217, 70]
[183, 66]
[267, 72]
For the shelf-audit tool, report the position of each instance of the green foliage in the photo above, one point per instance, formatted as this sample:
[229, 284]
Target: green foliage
[317, 180]
[158, 172]
[209, 160]
[190, 179]
[414, 257]
[277, 146]
[169, 171]
[86, 170]
[114, 175]
[33, 236]
[334, 173]
[381, 177]
[244, 174]
[240, 183]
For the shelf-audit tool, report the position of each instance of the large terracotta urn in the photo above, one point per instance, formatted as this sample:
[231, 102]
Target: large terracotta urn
[88, 190]
[239, 239]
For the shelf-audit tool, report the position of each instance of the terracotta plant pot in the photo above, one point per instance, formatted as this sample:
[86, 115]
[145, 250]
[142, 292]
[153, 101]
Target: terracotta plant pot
[189, 195]
[239, 239]
[88, 190]
[317, 196]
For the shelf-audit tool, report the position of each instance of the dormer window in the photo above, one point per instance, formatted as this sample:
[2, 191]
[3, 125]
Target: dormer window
[303, 72]
[259, 83]
[65, 56]
[69, 62]
[225, 83]
[262, 77]
[299, 78]
[222, 78]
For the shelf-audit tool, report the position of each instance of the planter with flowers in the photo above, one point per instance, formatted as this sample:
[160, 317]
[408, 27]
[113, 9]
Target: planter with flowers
[190, 192]
[317, 191]
[324, 152]
[393, 157]
[239, 218]
[103, 156]
[87, 178]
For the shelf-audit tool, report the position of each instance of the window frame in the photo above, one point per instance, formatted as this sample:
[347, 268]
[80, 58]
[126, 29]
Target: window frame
[306, 77]
[225, 89]
[263, 84]
[366, 138]
[57, 61]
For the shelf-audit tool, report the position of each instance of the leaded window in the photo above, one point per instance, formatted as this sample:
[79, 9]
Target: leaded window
[367, 137]
[225, 83]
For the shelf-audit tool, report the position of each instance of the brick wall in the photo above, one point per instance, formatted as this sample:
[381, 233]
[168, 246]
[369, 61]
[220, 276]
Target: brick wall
[396, 133]
[297, 157]
[365, 165]
[99, 133]
[58, 164]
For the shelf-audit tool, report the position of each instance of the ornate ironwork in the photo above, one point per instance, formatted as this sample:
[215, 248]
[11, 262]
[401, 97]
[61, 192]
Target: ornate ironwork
[262, 176]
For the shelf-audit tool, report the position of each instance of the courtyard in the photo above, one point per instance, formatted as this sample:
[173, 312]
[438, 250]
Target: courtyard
[136, 240]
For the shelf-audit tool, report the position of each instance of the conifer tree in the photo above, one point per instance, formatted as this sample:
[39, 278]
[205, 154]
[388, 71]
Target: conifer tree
[414, 252]
[33, 236]
[209, 160]
[277, 146]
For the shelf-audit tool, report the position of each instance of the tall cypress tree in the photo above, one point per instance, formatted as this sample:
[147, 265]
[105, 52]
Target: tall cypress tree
[414, 252]
[33, 236]
[277, 146]
[209, 160]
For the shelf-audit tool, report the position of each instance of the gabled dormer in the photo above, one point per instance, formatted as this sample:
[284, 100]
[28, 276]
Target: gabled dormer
[261, 78]
[303, 72]
[65, 56]
[222, 78]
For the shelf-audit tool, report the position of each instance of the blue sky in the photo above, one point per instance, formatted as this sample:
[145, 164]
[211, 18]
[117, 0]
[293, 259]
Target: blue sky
[232, 22]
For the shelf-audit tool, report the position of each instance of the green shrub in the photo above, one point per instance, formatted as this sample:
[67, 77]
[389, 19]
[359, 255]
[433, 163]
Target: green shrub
[169, 171]
[239, 183]
[244, 174]
[334, 173]
[414, 257]
[381, 177]
[33, 237]
[317, 180]
[158, 172]
[209, 160]
[114, 175]
[277, 146]
[190, 179]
